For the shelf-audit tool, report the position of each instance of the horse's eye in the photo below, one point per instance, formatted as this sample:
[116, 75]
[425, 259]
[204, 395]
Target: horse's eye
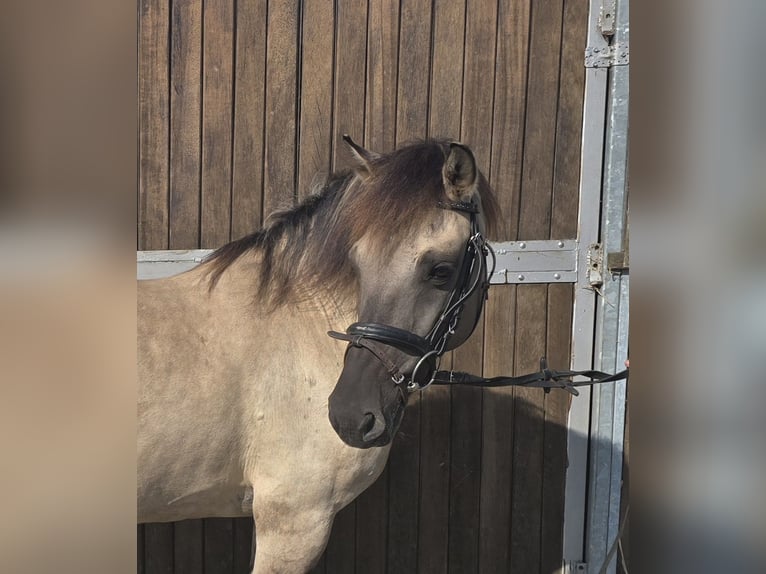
[441, 274]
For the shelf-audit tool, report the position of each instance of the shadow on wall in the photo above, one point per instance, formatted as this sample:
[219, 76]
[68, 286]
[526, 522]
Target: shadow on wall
[460, 494]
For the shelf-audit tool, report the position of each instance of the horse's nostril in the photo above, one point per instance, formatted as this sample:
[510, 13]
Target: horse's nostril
[367, 423]
[371, 427]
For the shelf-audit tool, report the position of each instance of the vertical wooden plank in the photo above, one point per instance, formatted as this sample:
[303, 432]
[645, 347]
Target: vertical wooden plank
[340, 556]
[185, 144]
[476, 131]
[188, 546]
[411, 122]
[444, 121]
[317, 54]
[414, 67]
[371, 527]
[218, 56]
[560, 300]
[219, 545]
[243, 544]
[498, 405]
[539, 146]
[526, 494]
[382, 75]
[510, 108]
[140, 549]
[281, 108]
[497, 433]
[532, 300]
[153, 110]
[569, 121]
[250, 73]
[158, 548]
[350, 76]
[447, 69]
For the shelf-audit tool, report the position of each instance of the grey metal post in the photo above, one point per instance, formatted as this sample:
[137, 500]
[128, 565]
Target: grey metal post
[612, 314]
[591, 163]
[599, 338]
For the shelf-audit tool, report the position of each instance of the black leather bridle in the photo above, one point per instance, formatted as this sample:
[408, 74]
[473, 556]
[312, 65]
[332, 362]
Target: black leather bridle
[449, 331]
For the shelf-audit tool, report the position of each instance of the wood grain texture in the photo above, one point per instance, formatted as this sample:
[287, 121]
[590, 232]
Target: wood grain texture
[153, 118]
[243, 545]
[281, 108]
[350, 74]
[447, 70]
[382, 75]
[185, 107]
[497, 434]
[372, 527]
[526, 494]
[340, 554]
[250, 73]
[317, 66]
[158, 548]
[414, 67]
[509, 115]
[566, 175]
[140, 549]
[217, 73]
[433, 509]
[559, 328]
[540, 134]
[189, 544]
[219, 545]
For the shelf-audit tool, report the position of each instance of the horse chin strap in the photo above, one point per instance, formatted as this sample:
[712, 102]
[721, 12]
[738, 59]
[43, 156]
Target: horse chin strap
[379, 339]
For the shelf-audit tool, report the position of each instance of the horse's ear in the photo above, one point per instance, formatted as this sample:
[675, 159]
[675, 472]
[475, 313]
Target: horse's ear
[363, 157]
[459, 173]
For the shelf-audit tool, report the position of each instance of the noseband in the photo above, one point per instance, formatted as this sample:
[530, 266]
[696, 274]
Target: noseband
[379, 339]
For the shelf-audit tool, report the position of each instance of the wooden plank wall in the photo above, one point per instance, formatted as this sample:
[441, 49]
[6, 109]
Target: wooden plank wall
[243, 102]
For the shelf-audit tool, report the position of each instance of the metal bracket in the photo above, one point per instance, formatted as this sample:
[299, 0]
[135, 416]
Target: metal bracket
[606, 17]
[551, 261]
[607, 56]
[576, 568]
[595, 265]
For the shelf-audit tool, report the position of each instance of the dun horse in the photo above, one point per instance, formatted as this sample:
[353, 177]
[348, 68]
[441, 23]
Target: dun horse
[247, 406]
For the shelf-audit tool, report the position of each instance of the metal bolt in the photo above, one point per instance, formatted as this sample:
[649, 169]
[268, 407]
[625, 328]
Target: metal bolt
[560, 244]
[523, 245]
[521, 278]
[557, 275]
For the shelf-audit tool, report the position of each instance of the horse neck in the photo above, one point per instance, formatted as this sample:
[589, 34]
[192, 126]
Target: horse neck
[320, 311]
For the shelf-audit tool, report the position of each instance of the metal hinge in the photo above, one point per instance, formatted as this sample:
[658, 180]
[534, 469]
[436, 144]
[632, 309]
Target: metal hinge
[595, 265]
[535, 261]
[607, 56]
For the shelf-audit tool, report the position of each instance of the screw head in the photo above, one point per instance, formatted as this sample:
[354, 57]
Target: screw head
[521, 278]
[522, 245]
[557, 275]
[560, 244]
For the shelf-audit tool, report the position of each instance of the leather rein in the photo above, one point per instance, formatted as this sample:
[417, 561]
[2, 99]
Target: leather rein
[473, 276]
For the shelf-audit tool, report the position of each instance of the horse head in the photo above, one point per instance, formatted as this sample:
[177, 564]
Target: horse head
[421, 267]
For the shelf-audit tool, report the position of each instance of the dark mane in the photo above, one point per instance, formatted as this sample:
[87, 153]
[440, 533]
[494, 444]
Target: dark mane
[306, 248]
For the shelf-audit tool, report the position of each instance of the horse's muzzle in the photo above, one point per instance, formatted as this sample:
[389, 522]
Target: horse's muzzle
[366, 407]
